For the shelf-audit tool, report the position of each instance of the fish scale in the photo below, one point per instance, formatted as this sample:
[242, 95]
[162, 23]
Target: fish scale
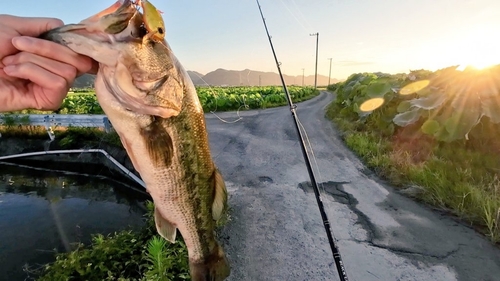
[153, 106]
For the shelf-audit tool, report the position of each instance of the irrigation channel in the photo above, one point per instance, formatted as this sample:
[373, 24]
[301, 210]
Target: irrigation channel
[43, 212]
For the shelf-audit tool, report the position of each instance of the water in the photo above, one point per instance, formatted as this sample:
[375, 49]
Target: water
[43, 212]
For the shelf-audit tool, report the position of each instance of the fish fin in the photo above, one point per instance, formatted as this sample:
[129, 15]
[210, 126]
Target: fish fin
[220, 195]
[164, 227]
[158, 142]
[215, 267]
[130, 152]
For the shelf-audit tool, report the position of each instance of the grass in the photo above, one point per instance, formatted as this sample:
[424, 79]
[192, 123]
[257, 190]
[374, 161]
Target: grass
[66, 138]
[124, 256]
[454, 177]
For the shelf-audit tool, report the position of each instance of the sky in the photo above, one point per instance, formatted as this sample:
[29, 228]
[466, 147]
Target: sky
[390, 36]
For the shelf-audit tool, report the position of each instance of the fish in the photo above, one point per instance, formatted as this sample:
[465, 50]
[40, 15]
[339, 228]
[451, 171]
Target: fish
[153, 106]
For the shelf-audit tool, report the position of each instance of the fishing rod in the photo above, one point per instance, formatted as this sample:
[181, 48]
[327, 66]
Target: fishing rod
[333, 245]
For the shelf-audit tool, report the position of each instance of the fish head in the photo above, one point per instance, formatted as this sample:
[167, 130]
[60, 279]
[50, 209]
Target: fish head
[138, 70]
[118, 23]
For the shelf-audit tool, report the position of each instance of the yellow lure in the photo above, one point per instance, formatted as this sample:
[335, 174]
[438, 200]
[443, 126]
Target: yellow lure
[153, 21]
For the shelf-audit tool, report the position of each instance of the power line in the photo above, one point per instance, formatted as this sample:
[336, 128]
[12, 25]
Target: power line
[294, 16]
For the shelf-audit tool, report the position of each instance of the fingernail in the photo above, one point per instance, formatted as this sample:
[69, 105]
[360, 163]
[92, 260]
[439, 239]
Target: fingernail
[21, 42]
[9, 69]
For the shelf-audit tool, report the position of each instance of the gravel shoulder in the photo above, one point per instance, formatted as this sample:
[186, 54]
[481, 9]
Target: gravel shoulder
[276, 233]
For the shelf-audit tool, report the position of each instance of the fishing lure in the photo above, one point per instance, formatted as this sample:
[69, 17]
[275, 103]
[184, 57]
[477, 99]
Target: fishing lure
[153, 21]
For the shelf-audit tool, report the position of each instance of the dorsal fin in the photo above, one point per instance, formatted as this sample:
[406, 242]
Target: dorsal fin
[220, 195]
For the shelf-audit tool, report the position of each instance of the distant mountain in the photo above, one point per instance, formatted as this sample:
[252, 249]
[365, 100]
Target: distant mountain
[196, 77]
[223, 77]
[247, 77]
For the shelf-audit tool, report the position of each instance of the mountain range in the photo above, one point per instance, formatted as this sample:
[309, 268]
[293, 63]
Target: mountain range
[247, 77]
[223, 77]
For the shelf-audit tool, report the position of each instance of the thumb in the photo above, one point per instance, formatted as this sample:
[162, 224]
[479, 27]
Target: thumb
[29, 26]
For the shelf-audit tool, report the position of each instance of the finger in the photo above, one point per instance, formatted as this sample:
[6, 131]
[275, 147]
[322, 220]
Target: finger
[6, 47]
[38, 75]
[67, 71]
[53, 51]
[30, 26]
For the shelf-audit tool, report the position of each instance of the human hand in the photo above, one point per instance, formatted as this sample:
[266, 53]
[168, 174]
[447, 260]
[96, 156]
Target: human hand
[35, 73]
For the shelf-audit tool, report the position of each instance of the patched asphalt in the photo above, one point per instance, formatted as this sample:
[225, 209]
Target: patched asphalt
[276, 232]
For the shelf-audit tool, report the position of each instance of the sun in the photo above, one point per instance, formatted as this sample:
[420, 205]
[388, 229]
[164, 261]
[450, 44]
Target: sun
[477, 47]
[474, 46]
[478, 58]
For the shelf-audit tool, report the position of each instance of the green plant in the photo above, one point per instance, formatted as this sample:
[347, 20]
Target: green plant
[492, 220]
[211, 98]
[429, 135]
[453, 103]
[125, 255]
[161, 261]
[9, 120]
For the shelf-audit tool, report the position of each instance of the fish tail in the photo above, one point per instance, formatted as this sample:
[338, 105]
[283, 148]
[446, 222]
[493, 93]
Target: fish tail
[215, 267]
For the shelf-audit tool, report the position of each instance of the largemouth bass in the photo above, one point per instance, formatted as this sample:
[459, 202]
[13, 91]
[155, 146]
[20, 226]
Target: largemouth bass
[153, 106]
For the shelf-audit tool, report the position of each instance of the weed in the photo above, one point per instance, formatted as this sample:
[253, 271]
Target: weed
[460, 176]
[125, 255]
[492, 220]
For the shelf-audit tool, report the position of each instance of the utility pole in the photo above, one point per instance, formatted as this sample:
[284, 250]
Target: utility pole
[302, 77]
[330, 73]
[316, 71]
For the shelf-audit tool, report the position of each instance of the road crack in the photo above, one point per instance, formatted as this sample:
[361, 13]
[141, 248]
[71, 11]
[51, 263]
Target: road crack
[335, 189]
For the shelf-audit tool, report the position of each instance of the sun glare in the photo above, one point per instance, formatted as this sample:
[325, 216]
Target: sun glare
[479, 48]
[477, 63]
[476, 46]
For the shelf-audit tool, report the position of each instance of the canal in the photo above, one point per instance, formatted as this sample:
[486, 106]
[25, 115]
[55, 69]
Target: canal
[43, 212]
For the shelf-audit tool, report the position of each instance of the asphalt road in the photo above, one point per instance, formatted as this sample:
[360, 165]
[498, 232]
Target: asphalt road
[276, 232]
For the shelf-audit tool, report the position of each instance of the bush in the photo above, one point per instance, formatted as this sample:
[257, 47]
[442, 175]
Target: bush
[123, 256]
[438, 130]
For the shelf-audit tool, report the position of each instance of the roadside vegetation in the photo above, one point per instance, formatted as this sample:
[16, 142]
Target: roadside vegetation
[436, 135]
[213, 99]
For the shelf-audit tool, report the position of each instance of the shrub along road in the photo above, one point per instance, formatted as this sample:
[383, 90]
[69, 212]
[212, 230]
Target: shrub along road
[276, 232]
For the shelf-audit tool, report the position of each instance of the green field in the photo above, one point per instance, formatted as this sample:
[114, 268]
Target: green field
[213, 99]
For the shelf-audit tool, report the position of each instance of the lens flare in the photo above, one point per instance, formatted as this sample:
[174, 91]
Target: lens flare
[414, 87]
[371, 104]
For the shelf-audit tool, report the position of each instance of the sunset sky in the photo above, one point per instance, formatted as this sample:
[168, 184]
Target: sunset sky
[360, 35]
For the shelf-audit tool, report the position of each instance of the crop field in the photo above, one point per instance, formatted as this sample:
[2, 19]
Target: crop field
[213, 99]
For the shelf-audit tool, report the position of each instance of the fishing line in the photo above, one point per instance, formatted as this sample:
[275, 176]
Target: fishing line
[333, 245]
[215, 110]
[294, 16]
[309, 145]
[302, 15]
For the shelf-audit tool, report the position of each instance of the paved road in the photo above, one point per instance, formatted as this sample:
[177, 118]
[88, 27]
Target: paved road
[276, 232]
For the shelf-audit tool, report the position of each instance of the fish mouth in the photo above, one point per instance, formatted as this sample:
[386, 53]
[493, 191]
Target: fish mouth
[129, 66]
[118, 23]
